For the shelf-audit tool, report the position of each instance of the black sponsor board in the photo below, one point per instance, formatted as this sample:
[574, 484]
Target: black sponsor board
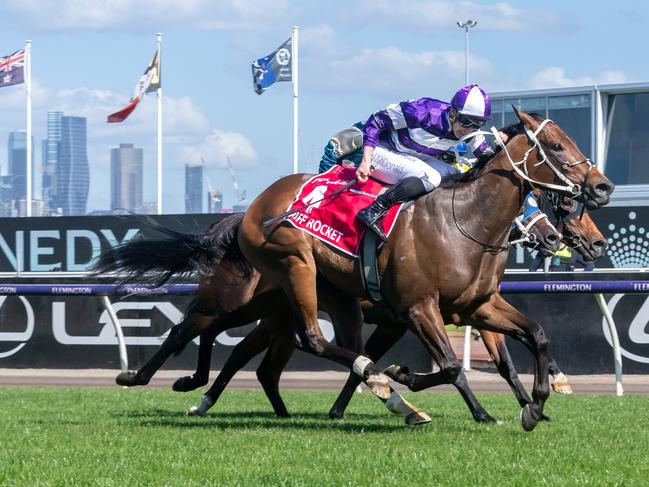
[578, 334]
[75, 332]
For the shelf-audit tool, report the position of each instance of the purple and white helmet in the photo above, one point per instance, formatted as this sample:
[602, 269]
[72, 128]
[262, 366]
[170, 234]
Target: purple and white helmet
[473, 102]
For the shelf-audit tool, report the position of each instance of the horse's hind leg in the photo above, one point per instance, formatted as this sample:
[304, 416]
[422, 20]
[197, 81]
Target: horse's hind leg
[495, 345]
[298, 278]
[202, 374]
[376, 346]
[197, 319]
[477, 411]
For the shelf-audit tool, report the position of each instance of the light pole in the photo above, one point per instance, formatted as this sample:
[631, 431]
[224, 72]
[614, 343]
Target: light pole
[466, 25]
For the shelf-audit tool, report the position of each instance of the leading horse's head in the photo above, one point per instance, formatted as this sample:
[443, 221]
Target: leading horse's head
[555, 162]
[578, 229]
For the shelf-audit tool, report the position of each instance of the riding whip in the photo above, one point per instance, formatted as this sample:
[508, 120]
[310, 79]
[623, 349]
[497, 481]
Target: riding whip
[348, 185]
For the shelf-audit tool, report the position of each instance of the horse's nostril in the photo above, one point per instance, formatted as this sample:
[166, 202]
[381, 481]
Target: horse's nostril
[600, 244]
[553, 238]
[604, 188]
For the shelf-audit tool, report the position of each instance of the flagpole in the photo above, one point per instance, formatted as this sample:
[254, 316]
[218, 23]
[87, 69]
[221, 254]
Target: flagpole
[28, 89]
[159, 165]
[294, 77]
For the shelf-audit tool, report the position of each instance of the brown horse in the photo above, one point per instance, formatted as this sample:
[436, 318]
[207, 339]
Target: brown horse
[470, 242]
[584, 233]
[432, 260]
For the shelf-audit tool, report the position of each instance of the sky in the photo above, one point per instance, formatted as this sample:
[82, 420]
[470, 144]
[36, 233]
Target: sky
[356, 57]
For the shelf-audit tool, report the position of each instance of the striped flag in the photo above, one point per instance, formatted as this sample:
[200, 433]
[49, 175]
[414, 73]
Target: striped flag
[148, 83]
[12, 69]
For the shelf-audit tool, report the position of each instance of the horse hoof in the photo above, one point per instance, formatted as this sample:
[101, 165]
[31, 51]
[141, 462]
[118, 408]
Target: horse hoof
[128, 378]
[379, 384]
[194, 411]
[187, 383]
[528, 422]
[417, 417]
[560, 385]
[397, 372]
[486, 419]
[336, 414]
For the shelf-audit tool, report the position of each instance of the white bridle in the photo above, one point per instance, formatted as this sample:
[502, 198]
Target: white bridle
[527, 236]
[572, 188]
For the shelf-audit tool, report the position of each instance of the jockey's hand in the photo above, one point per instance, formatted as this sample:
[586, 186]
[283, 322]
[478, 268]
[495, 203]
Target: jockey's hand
[503, 136]
[363, 171]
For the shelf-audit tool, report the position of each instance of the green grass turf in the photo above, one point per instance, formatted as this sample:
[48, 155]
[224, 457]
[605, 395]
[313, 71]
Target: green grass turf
[128, 437]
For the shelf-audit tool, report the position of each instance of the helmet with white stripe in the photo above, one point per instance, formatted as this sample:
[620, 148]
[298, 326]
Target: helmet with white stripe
[472, 101]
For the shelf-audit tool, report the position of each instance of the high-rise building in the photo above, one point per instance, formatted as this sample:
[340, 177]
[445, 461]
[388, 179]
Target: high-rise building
[126, 178]
[72, 173]
[6, 196]
[193, 188]
[51, 148]
[17, 158]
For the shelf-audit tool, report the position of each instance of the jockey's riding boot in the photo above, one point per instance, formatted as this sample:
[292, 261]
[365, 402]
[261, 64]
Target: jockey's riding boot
[407, 189]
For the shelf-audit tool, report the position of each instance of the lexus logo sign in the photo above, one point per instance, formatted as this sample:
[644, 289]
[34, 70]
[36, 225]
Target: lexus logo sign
[18, 337]
[635, 344]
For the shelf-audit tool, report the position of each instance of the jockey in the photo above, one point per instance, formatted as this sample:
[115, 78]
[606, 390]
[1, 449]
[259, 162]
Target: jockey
[406, 144]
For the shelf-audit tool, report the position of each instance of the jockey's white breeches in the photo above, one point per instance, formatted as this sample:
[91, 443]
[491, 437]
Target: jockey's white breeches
[391, 167]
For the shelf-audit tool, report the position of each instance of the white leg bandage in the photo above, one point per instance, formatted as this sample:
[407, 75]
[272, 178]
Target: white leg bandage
[360, 364]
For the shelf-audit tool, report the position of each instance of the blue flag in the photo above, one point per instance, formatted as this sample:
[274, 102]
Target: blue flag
[277, 66]
[12, 69]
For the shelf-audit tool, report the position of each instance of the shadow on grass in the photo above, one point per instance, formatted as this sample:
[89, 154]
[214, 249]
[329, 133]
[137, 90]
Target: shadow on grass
[296, 422]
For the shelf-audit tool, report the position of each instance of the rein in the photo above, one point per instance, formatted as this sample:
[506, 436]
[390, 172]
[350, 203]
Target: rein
[494, 249]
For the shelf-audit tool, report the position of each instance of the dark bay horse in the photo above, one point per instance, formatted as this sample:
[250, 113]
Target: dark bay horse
[543, 155]
[584, 233]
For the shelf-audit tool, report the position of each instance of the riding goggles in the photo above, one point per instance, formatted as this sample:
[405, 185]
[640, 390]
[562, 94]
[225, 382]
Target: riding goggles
[466, 121]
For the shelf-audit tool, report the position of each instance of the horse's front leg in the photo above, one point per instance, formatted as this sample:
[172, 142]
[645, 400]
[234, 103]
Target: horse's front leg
[255, 342]
[426, 322]
[559, 383]
[515, 324]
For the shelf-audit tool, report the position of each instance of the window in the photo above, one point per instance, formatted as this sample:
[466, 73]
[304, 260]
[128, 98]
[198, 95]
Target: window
[627, 141]
[573, 114]
[529, 105]
[496, 113]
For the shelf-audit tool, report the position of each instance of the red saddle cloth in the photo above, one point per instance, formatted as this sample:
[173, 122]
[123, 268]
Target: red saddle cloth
[333, 220]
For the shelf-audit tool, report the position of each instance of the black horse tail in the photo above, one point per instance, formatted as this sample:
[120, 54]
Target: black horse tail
[174, 254]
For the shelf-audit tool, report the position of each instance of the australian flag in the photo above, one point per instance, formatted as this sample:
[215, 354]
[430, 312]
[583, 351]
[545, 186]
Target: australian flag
[277, 66]
[12, 69]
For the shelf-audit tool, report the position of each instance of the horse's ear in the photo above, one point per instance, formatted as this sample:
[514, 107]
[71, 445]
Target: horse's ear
[525, 118]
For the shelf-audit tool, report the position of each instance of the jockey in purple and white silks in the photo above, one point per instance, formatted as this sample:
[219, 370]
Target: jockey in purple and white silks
[403, 145]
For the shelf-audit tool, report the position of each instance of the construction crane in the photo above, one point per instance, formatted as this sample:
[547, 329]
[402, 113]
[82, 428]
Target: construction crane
[241, 195]
[214, 198]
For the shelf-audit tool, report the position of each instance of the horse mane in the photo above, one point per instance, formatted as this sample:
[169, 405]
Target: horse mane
[510, 130]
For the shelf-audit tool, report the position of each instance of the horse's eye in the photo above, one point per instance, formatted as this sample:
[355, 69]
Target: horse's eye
[556, 147]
